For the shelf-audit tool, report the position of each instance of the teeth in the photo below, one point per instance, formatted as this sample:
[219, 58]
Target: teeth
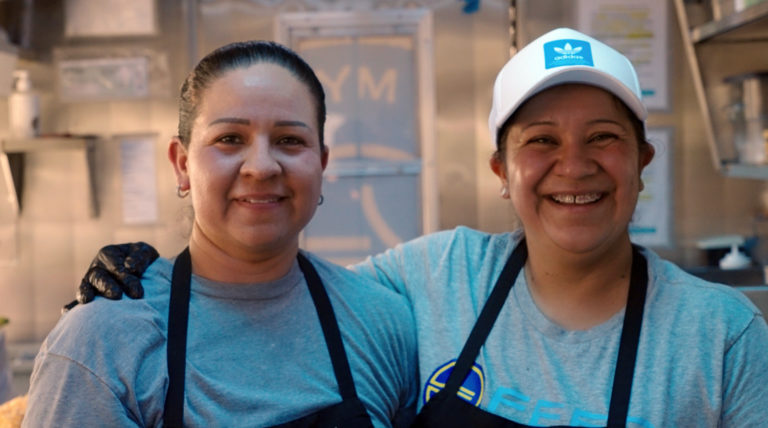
[577, 199]
[261, 201]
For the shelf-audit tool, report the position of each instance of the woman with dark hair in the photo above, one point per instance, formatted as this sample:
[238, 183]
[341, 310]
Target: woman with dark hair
[243, 328]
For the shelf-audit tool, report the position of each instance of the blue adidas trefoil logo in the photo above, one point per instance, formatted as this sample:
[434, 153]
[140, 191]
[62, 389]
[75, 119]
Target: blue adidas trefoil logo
[568, 51]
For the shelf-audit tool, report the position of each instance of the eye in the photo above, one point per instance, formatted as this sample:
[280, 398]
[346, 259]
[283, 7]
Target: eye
[290, 140]
[230, 139]
[603, 137]
[541, 140]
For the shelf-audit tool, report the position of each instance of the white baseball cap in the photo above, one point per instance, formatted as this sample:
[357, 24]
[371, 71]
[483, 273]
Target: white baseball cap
[562, 56]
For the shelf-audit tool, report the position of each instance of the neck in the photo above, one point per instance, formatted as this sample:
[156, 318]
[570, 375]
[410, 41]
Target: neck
[579, 291]
[239, 265]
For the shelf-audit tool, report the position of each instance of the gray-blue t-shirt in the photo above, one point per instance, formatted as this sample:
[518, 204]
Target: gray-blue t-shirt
[255, 354]
[702, 358]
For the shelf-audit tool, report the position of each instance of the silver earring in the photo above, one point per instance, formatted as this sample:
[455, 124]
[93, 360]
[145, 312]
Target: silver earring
[322, 199]
[181, 193]
[504, 192]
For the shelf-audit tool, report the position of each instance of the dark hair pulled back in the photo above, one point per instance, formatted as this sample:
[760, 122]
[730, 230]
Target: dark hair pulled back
[242, 55]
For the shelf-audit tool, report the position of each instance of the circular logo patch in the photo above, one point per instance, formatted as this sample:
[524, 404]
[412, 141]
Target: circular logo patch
[471, 390]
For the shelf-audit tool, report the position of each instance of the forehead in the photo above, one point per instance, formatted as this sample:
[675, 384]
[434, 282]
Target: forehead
[257, 89]
[262, 77]
[573, 98]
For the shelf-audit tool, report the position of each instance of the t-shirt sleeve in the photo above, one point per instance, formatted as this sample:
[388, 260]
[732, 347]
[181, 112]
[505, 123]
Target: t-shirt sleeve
[385, 268]
[63, 393]
[746, 377]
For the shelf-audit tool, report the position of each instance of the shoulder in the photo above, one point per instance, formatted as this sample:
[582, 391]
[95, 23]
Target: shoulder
[461, 244]
[696, 299]
[365, 304]
[96, 328]
[462, 236]
[338, 279]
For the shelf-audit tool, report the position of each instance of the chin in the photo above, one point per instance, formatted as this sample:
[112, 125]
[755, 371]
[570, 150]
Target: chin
[583, 242]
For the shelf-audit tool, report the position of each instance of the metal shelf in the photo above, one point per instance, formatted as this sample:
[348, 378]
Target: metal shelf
[742, 33]
[752, 21]
[737, 170]
[13, 153]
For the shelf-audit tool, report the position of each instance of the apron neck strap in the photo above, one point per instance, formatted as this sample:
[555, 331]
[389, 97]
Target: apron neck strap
[487, 318]
[178, 317]
[630, 338]
[330, 329]
[630, 333]
[176, 353]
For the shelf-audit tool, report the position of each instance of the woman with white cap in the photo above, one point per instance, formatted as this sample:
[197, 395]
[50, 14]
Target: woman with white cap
[565, 322]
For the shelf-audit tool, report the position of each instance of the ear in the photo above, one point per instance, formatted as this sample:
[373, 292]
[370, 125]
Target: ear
[647, 151]
[324, 157]
[499, 167]
[179, 158]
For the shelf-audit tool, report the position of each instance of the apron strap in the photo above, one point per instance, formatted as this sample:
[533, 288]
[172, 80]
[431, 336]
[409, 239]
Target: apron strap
[330, 329]
[630, 337]
[630, 334]
[486, 319]
[178, 315]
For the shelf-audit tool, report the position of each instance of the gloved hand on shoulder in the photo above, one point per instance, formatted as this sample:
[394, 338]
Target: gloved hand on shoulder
[115, 270]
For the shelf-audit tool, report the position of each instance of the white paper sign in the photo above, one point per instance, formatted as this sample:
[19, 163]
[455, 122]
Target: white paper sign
[638, 29]
[652, 222]
[137, 162]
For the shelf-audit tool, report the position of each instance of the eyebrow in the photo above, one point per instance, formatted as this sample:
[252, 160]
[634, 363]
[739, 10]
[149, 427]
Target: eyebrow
[239, 121]
[590, 122]
[615, 122]
[291, 123]
[230, 120]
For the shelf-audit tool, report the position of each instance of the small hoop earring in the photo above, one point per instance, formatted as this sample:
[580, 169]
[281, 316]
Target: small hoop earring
[322, 199]
[504, 192]
[181, 193]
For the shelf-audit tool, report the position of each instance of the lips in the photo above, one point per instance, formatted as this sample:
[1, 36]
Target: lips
[576, 199]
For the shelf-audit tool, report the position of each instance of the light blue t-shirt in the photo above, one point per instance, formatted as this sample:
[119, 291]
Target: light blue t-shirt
[255, 354]
[702, 359]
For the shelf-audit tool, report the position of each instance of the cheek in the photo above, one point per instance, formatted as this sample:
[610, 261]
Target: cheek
[208, 172]
[626, 168]
[525, 170]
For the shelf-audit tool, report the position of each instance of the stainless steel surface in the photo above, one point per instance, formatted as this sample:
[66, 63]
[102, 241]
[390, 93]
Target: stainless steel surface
[749, 115]
[715, 49]
[698, 82]
[753, 16]
[759, 296]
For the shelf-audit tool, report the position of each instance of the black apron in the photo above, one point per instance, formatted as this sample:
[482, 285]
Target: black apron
[446, 410]
[350, 413]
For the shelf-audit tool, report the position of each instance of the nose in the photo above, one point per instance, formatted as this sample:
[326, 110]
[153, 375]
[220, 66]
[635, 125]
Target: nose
[259, 160]
[575, 160]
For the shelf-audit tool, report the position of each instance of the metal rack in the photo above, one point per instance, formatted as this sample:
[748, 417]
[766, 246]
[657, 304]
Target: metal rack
[717, 47]
[13, 151]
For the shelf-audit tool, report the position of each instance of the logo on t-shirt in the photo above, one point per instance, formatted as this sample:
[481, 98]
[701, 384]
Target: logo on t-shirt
[471, 391]
[559, 53]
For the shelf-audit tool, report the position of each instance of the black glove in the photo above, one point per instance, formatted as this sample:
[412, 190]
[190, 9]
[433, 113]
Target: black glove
[115, 270]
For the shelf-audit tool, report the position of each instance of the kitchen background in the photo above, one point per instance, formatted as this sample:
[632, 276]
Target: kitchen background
[63, 198]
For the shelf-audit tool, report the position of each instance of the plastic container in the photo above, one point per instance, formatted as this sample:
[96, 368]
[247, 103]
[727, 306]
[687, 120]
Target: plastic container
[735, 259]
[749, 116]
[23, 107]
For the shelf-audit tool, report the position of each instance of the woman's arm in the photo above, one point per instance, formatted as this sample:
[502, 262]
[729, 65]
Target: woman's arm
[746, 377]
[64, 393]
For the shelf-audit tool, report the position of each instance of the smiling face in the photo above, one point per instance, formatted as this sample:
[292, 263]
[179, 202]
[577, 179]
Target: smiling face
[572, 165]
[253, 163]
